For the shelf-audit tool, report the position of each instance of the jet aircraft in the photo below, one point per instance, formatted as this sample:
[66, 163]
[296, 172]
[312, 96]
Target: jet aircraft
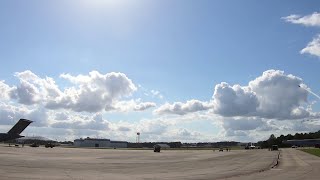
[15, 131]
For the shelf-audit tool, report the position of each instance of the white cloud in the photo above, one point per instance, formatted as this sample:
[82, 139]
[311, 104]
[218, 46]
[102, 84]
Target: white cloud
[280, 96]
[313, 47]
[244, 124]
[5, 91]
[143, 106]
[247, 129]
[9, 114]
[234, 100]
[88, 93]
[84, 122]
[273, 95]
[247, 112]
[155, 126]
[61, 116]
[131, 105]
[156, 93]
[93, 92]
[309, 20]
[123, 128]
[183, 108]
[32, 89]
[186, 135]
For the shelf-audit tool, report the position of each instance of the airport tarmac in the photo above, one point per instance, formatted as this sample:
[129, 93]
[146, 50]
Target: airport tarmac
[77, 163]
[293, 165]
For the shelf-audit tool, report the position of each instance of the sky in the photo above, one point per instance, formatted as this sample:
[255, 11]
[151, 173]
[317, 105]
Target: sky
[189, 71]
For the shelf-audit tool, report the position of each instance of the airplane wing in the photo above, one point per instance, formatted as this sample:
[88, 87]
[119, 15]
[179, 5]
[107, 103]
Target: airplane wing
[19, 126]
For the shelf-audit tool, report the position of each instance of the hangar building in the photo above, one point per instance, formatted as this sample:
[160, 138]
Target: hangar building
[303, 142]
[95, 142]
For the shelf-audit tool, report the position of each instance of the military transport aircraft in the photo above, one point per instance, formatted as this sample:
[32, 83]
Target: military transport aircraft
[15, 131]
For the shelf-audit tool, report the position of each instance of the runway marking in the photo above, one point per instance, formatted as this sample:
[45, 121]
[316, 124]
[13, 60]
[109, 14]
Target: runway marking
[276, 169]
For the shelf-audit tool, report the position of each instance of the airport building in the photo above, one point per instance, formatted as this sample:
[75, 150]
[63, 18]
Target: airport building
[303, 142]
[95, 142]
[163, 146]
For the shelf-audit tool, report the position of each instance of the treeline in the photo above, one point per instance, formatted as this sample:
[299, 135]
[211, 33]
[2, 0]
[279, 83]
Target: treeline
[281, 139]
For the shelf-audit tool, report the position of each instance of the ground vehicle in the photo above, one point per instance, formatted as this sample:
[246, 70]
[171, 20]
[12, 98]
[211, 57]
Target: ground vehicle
[294, 146]
[274, 148]
[156, 148]
[49, 145]
[34, 145]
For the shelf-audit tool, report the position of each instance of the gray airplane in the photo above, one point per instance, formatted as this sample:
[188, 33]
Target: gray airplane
[15, 131]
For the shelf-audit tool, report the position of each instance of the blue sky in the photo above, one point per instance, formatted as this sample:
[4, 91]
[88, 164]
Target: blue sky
[180, 49]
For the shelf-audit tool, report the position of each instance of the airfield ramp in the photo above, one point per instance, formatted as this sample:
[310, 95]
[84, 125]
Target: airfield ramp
[76, 163]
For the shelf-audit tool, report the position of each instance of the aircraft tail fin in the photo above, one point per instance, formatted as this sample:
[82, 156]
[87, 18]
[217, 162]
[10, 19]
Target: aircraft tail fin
[19, 126]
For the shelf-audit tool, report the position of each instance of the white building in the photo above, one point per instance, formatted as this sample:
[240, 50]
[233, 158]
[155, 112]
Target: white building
[94, 142]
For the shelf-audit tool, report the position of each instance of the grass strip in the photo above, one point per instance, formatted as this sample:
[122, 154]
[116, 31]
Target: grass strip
[313, 151]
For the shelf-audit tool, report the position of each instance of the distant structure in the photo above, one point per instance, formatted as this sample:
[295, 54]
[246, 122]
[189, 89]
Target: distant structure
[138, 137]
[303, 142]
[213, 144]
[152, 144]
[95, 142]
[163, 146]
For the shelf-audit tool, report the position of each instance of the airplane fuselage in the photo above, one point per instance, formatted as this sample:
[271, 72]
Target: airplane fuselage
[7, 137]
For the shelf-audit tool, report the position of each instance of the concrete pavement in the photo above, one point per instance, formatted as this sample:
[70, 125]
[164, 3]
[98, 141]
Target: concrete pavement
[294, 164]
[75, 163]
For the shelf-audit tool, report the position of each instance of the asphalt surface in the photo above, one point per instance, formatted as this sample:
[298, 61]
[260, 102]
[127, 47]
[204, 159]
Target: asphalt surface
[293, 165]
[75, 163]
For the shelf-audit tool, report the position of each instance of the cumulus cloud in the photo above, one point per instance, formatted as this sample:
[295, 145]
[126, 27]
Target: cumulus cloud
[88, 93]
[93, 92]
[279, 95]
[242, 111]
[308, 20]
[5, 91]
[313, 47]
[33, 89]
[273, 95]
[234, 100]
[183, 108]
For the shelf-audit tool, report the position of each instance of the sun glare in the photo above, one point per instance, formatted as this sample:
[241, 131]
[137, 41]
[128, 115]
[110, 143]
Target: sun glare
[104, 3]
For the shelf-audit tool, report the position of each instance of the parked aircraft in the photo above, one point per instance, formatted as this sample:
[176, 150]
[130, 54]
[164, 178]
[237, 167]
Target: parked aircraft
[15, 131]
